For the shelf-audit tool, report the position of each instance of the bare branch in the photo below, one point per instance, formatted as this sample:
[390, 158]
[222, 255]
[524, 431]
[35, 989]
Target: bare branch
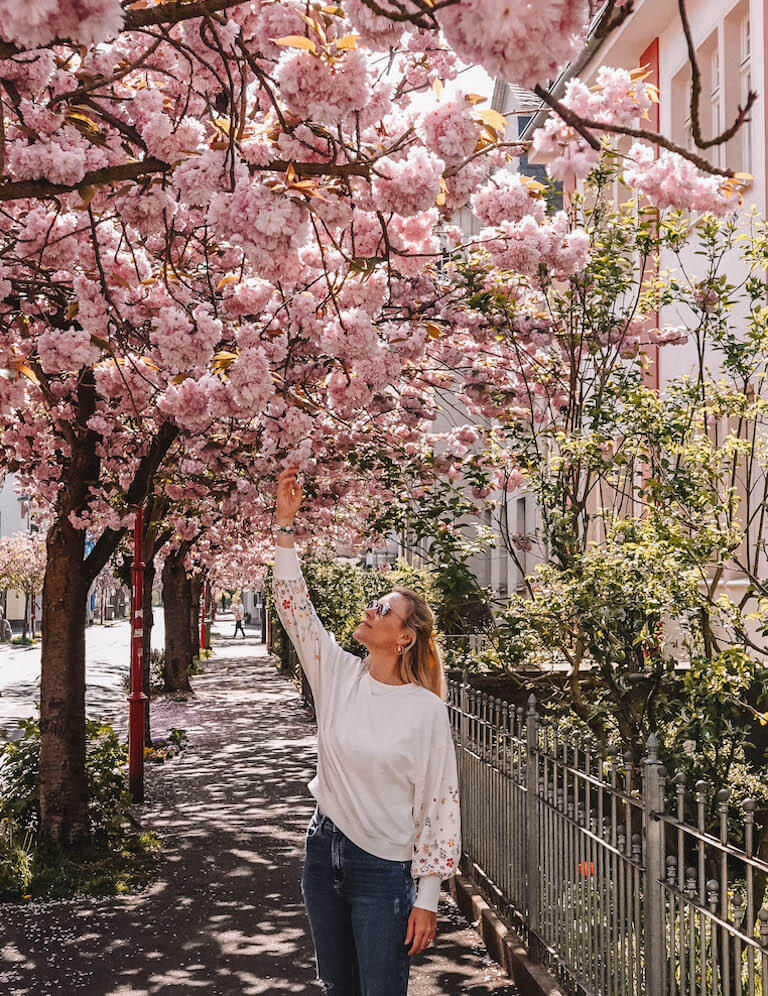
[741, 115]
[423, 18]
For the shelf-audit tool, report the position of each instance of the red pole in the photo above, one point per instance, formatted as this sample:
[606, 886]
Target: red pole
[137, 698]
[202, 617]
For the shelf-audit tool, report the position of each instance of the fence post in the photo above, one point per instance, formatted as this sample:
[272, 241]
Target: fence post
[464, 702]
[532, 830]
[653, 835]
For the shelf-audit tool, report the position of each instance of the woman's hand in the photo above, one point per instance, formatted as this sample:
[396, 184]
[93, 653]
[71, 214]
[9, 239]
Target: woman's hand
[422, 926]
[288, 497]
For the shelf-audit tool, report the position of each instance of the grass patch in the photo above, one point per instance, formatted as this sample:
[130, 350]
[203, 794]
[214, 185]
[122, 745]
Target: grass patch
[107, 870]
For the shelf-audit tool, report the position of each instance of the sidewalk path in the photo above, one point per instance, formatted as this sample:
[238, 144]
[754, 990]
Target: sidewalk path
[225, 916]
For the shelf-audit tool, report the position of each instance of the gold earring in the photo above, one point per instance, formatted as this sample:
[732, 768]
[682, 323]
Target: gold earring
[398, 649]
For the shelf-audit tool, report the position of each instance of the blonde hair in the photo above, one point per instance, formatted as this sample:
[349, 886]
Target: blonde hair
[421, 663]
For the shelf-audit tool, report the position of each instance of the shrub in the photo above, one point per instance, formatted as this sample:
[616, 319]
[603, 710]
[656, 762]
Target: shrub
[111, 861]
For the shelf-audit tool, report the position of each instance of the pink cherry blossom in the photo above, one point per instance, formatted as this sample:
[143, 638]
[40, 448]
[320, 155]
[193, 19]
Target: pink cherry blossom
[523, 42]
[315, 88]
[448, 129]
[506, 197]
[66, 349]
[409, 185]
[673, 182]
[38, 22]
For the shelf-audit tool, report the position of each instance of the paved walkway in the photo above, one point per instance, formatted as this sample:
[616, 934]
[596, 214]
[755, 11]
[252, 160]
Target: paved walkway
[225, 915]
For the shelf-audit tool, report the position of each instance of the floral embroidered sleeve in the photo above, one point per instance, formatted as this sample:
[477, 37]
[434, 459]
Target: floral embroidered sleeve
[437, 848]
[313, 643]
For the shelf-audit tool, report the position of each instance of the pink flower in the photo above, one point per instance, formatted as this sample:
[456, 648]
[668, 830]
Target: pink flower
[506, 197]
[529, 246]
[314, 88]
[407, 186]
[38, 22]
[448, 129]
[522, 41]
[671, 181]
[66, 350]
[376, 31]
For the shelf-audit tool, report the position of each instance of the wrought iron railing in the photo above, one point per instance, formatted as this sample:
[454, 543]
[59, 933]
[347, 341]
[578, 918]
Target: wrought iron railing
[617, 895]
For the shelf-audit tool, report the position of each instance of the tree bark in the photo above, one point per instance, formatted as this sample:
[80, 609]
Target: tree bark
[176, 610]
[63, 785]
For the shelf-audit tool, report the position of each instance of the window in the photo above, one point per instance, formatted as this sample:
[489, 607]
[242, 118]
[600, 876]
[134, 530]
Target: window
[687, 130]
[716, 103]
[745, 74]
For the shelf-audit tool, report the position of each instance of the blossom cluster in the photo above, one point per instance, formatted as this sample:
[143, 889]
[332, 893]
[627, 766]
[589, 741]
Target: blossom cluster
[524, 41]
[409, 184]
[313, 87]
[82, 21]
[507, 196]
[670, 181]
[449, 130]
[530, 247]
[617, 98]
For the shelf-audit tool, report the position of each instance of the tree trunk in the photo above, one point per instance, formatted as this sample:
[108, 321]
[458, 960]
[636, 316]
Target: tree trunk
[176, 611]
[195, 594]
[146, 647]
[63, 786]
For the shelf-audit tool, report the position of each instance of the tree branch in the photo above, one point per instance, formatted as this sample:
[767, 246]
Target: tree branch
[108, 174]
[423, 18]
[107, 543]
[585, 125]
[42, 189]
[741, 114]
[570, 117]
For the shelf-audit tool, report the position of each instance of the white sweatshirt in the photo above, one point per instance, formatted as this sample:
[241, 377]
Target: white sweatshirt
[386, 763]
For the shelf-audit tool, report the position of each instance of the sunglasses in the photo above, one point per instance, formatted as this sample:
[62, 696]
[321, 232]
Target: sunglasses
[383, 609]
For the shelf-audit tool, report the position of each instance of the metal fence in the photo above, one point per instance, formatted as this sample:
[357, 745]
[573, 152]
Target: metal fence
[598, 863]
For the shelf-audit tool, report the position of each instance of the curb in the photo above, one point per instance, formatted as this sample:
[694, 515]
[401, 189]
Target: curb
[503, 943]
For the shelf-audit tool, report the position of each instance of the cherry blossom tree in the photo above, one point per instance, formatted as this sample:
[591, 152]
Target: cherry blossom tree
[22, 567]
[218, 233]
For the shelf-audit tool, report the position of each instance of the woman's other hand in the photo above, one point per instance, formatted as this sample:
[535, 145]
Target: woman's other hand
[422, 926]
[288, 497]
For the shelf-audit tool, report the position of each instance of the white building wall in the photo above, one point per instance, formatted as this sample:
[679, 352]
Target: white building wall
[11, 508]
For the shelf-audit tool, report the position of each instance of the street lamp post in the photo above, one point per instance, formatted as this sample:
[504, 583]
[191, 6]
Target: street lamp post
[137, 698]
[203, 602]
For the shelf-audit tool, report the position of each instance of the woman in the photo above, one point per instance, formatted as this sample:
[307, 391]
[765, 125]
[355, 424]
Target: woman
[386, 785]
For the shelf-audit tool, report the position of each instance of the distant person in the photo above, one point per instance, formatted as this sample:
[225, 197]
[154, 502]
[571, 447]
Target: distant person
[239, 612]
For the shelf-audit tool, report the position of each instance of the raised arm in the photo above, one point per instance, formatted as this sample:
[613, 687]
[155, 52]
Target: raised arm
[317, 649]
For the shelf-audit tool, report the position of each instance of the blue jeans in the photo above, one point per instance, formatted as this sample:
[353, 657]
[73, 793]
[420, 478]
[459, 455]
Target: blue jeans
[358, 907]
